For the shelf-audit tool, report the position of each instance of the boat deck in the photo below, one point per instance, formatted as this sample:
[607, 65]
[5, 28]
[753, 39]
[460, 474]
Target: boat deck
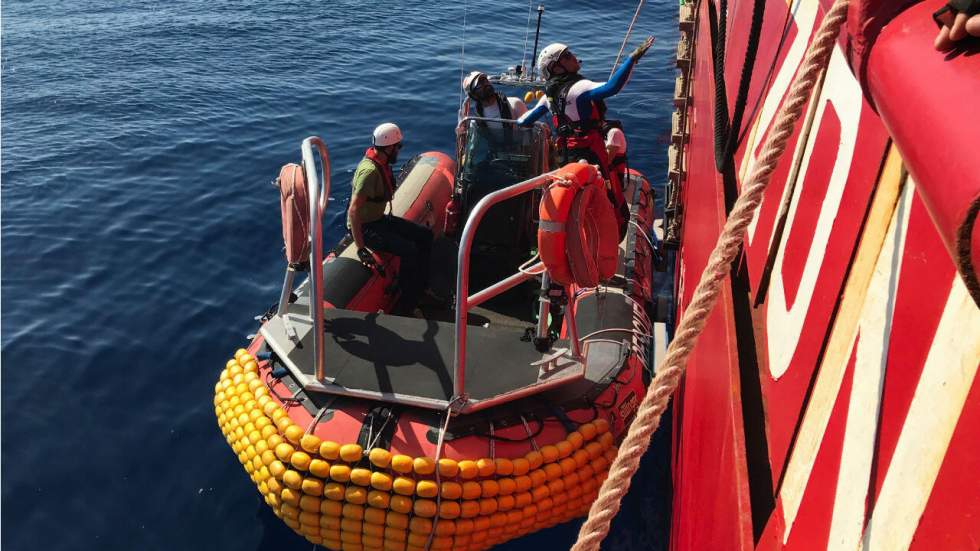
[391, 357]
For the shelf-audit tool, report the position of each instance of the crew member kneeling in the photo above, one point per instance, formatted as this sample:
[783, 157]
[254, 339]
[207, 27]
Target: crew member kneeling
[372, 229]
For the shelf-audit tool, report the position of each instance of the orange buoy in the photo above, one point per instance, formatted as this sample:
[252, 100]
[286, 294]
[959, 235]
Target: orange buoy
[577, 233]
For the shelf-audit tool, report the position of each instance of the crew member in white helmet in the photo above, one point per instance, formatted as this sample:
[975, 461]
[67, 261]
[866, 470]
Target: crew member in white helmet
[578, 107]
[486, 102]
[373, 229]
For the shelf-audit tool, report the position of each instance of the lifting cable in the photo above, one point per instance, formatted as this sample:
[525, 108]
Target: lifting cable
[462, 54]
[667, 378]
[439, 444]
[626, 38]
[527, 31]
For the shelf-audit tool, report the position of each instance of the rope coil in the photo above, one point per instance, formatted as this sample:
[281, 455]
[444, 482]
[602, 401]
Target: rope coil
[668, 376]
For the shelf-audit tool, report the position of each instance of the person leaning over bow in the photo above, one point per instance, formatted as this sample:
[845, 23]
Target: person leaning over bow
[578, 108]
[373, 229]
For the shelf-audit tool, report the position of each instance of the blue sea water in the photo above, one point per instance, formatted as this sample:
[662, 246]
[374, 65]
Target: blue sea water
[140, 234]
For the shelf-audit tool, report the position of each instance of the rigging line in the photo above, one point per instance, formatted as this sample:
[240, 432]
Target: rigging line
[439, 444]
[629, 30]
[527, 31]
[748, 66]
[643, 232]
[462, 55]
[766, 81]
[373, 444]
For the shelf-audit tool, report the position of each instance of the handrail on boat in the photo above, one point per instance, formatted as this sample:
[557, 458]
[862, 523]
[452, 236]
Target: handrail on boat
[464, 302]
[318, 194]
[318, 190]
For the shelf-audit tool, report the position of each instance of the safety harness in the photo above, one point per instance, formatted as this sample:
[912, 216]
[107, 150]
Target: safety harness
[502, 104]
[585, 129]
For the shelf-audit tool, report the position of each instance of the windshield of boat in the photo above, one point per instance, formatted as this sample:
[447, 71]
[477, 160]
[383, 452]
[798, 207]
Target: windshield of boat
[493, 155]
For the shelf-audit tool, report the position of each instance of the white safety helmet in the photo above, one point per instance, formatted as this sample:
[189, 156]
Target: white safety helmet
[386, 134]
[548, 56]
[616, 140]
[472, 79]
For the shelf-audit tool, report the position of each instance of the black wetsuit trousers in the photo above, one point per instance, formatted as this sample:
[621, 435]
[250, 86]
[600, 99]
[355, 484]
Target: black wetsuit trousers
[412, 244]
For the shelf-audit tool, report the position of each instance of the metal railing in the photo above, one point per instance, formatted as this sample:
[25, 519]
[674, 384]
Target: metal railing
[318, 190]
[318, 199]
[464, 302]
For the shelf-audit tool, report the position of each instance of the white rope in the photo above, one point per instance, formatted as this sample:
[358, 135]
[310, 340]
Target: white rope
[462, 56]
[643, 232]
[442, 438]
[530, 436]
[523, 268]
[527, 31]
[629, 30]
[617, 329]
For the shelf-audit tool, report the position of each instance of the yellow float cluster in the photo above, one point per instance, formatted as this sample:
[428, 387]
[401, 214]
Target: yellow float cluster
[337, 496]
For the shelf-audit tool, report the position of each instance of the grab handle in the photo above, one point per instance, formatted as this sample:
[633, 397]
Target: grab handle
[318, 189]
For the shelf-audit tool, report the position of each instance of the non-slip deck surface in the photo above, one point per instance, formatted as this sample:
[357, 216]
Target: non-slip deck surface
[386, 353]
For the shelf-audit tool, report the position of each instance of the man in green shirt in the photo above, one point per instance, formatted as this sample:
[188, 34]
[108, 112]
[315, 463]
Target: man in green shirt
[372, 229]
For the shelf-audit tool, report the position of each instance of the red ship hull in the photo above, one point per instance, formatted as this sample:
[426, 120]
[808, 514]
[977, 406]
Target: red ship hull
[832, 399]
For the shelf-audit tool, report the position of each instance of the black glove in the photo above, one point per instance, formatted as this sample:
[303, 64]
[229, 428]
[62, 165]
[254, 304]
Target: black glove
[366, 256]
[642, 49]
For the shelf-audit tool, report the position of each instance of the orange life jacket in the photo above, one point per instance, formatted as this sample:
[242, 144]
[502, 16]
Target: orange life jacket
[385, 169]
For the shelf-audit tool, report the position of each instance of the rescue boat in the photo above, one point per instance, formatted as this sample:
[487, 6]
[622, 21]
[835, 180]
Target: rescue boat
[495, 414]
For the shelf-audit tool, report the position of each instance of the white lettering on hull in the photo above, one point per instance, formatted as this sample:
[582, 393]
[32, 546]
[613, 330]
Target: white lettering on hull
[875, 315]
[864, 406]
[784, 322]
[804, 16]
[940, 395]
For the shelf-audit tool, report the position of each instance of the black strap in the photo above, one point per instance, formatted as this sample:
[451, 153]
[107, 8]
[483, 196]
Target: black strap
[502, 105]
[566, 126]
[378, 427]
[562, 417]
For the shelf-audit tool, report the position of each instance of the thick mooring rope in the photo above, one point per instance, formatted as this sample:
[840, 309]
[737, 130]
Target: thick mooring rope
[729, 243]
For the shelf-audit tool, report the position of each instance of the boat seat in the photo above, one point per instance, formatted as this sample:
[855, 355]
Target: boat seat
[392, 354]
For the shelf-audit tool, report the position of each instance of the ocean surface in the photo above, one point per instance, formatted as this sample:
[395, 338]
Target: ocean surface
[140, 232]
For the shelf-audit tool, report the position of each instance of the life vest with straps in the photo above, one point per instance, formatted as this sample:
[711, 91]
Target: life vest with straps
[386, 175]
[502, 104]
[503, 107]
[583, 135]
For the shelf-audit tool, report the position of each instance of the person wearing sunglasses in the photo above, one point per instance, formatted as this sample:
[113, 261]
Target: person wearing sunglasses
[486, 102]
[374, 229]
[579, 110]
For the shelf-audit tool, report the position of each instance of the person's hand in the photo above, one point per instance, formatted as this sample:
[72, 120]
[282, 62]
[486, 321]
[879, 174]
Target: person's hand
[955, 26]
[366, 256]
[642, 49]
